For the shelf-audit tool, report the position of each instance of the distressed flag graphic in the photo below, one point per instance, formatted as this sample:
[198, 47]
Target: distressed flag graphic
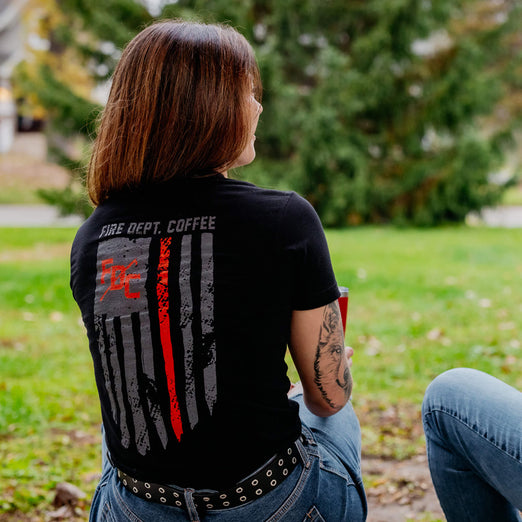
[154, 319]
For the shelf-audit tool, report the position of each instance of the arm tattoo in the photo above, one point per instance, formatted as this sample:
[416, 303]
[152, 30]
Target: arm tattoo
[330, 364]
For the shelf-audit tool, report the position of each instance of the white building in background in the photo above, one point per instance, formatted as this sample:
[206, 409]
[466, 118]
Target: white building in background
[10, 54]
[7, 118]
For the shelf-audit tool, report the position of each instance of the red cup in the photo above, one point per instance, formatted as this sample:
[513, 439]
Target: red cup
[343, 305]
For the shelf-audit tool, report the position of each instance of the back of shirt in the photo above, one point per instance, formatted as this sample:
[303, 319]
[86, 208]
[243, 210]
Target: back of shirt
[186, 290]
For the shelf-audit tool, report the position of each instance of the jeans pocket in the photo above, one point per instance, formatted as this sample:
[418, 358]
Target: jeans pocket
[329, 462]
[313, 514]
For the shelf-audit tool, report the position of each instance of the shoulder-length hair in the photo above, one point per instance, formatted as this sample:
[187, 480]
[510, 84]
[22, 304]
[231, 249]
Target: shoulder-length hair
[178, 106]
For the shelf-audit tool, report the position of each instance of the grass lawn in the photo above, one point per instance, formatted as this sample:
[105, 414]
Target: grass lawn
[421, 301]
[49, 419]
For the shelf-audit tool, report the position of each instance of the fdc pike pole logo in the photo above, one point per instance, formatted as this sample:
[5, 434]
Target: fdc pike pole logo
[120, 277]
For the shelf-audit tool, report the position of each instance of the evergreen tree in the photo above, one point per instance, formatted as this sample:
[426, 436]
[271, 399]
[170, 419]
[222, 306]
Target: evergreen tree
[375, 110]
[380, 104]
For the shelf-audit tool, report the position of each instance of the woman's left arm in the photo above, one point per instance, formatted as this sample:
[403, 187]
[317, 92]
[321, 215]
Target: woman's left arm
[318, 351]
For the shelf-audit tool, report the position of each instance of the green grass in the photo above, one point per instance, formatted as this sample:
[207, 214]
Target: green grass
[421, 301]
[19, 195]
[49, 420]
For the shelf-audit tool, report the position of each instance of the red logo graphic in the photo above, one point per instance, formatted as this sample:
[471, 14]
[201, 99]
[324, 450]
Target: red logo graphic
[120, 279]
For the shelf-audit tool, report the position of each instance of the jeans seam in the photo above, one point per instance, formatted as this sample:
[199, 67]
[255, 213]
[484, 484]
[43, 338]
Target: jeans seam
[314, 514]
[107, 512]
[471, 428]
[294, 495]
[346, 477]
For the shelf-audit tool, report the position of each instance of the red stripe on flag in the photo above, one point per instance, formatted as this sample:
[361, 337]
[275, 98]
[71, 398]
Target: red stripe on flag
[162, 290]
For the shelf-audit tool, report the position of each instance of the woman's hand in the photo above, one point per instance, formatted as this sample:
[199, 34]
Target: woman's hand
[348, 350]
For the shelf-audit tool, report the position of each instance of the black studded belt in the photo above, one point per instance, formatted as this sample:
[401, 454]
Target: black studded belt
[251, 488]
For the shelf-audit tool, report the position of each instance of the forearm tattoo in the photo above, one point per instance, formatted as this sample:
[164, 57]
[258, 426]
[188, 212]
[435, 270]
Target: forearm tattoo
[331, 368]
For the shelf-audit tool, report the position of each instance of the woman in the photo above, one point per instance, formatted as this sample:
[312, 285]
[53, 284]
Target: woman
[191, 287]
[473, 432]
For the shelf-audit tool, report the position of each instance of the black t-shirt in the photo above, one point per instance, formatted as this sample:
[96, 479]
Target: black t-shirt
[186, 290]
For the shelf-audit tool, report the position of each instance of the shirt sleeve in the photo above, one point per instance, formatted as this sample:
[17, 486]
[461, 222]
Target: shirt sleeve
[309, 267]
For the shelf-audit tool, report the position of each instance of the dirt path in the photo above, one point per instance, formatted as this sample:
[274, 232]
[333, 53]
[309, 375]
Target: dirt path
[399, 491]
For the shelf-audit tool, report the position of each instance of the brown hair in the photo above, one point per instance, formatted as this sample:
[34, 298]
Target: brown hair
[178, 106]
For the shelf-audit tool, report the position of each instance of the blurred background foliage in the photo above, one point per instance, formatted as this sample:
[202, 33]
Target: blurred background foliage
[377, 111]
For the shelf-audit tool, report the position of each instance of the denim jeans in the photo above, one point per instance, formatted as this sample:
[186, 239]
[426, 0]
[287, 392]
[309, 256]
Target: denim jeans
[326, 487]
[473, 426]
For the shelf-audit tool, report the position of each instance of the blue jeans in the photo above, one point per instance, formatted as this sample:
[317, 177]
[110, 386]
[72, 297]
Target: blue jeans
[473, 426]
[327, 487]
